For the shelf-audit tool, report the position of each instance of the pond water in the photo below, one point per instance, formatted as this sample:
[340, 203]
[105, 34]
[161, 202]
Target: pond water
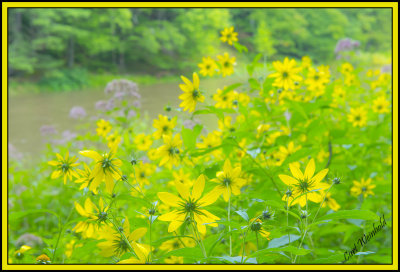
[27, 113]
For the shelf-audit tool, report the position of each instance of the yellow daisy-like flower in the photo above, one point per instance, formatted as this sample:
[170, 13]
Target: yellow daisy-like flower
[43, 259]
[103, 127]
[229, 180]
[256, 226]
[191, 93]
[357, 116]
[228, 35]
[261, 129]
[176, 243]
[349, 80]
[164, 126]
[96, 216]
[363, 187]
[287, 151]
[331, 202]
[65, 167]
[143, 172]
[190, 206]
[208, 67]
[181, 177]
[346, 68]
[226, 64]
[286, 74]
[69, 248]
[143, 142]
[152, 154]
[170, 151]
[317, 78]
[117, 245]
[226, 124]
[113, 140]
[223, 100]
[322, 155]
[20, 252]
[85, 178]
[303, 183]
[306, 62]
[381, 105]
[106, 169]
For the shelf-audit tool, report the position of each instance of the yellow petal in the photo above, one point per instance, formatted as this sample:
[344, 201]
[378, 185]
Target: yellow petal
[137, 234]
[198, 187]
[318, 177]
[182, 190]
[169, 199]
[91, 154]
[211, 197]
[310, 169]
[296, 172]
[288, 180]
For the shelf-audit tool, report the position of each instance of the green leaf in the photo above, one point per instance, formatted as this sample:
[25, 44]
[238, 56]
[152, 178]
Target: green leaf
[243, 214]
[189, 136]
[18, 215]
[290, 249]
[350, 214]
[281, 241]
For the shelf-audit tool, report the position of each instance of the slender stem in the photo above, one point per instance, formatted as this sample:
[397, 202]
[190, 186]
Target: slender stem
[198, 239]
[60, 232]
[322, 203]
[257, 240]
[151, 249]
[122, 234]
[243, 247]
[287, 223]
[330, 154]
[261, 168]
[305, 229]
[229, 221]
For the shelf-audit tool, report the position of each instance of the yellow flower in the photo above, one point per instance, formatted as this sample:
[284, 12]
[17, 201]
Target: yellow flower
[261, 129]
[228, 35]
[363, 187]
[191, 93]
[103, 127]
[170, 151]
[226, 64]
[286, 74]
[346, 68]
[65, 167]
[106, 169]
[331, 202]
[208, 67]
[338, 96]
[256, 226]
[381, 105]
[240, 98]
[152, 154]
[174, 260]
[349, 80]
[85, 178]
[116, 244]
[306, 62]
[19, 253]
[95, 217]
[190, 206]
[317, 78]
[240, 153]
[223, 100]
[229, 180]
[43, 259]
[181, 177]
[143, 142]
[225, 124]
[176, 243]
[289, 150]
[113, 140]
[303, 183]
[69, 248]
[144, 171]
[164, 126]
[322, 155]
[357, 116]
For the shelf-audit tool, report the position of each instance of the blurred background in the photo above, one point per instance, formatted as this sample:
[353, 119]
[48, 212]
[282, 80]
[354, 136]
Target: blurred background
[61, 59]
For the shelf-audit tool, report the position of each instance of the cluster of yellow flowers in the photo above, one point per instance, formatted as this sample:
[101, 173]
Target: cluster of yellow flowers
[188, 203]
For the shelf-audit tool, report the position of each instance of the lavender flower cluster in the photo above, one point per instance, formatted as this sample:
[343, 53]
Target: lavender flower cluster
[345, 45]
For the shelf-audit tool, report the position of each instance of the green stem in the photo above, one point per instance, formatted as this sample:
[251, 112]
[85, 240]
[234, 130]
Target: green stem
[122, 234]
[257, 240]
[60, 232]
[198, 239]
[151, 249]
[229, 221]
[305, 229]
[287, 223]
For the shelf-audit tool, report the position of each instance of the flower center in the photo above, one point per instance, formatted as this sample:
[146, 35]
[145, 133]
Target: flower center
[64, 167]
[256, 226]
[106, 163]
[195, 94]
[285, 74]
[173, 150]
